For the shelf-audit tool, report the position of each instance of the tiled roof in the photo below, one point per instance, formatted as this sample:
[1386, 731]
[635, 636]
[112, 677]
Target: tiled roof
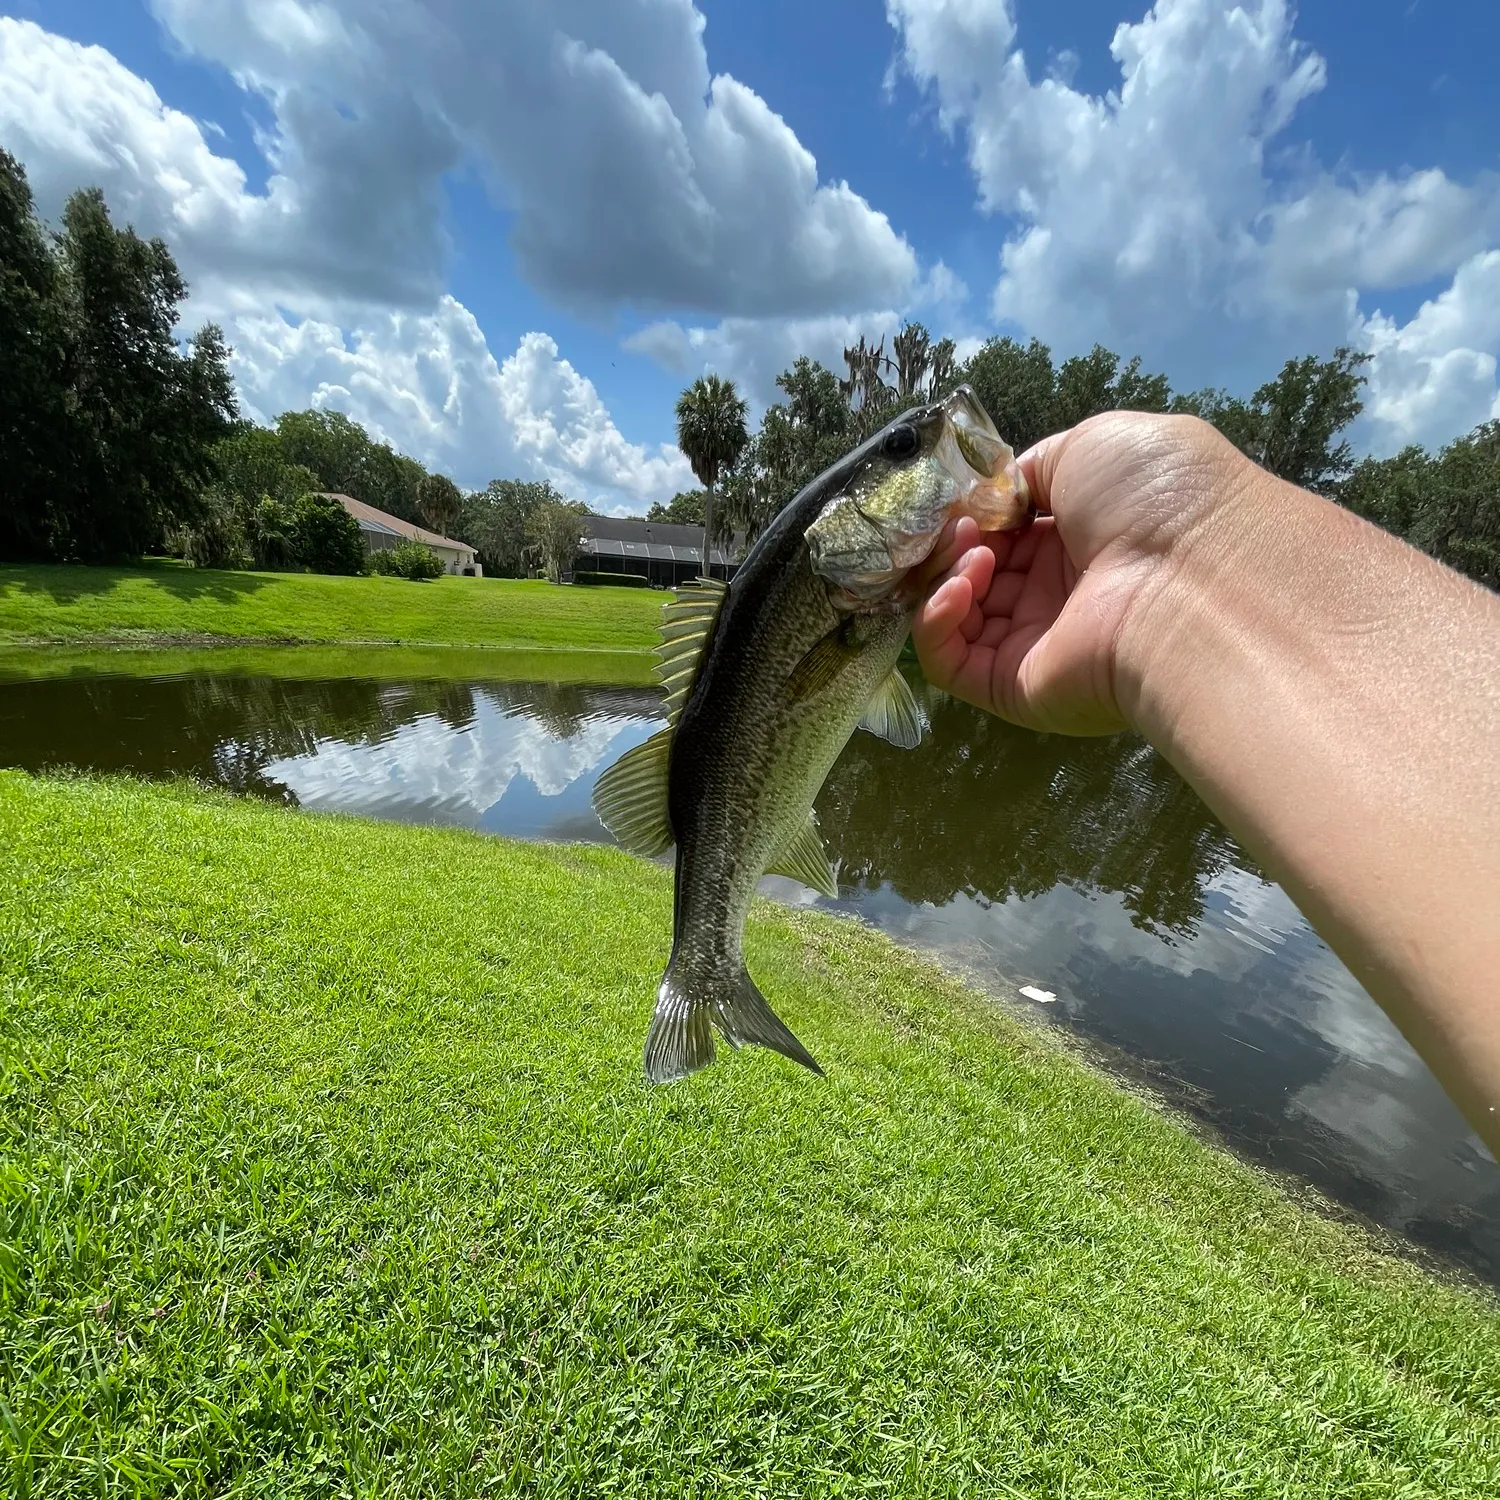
[378, 520]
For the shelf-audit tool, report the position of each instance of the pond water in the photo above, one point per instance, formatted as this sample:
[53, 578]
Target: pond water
[1083, 868]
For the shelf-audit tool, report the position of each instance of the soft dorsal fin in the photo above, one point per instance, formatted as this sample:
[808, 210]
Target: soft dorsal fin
[686, 624]
[803, 859]
[893, 713]
[631, 797]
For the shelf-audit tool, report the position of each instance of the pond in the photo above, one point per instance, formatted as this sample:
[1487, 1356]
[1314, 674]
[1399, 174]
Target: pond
[1081, 868]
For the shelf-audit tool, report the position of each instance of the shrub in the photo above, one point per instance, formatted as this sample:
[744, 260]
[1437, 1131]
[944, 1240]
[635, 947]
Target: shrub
[325, 537]
[217, 538]
[407, 559]
[612, 580]
[272, 536]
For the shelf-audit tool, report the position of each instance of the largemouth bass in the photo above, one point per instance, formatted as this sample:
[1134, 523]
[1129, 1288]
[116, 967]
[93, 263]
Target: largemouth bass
[766, 680]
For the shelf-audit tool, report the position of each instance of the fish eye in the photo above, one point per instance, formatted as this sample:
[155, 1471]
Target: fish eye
[901, 442]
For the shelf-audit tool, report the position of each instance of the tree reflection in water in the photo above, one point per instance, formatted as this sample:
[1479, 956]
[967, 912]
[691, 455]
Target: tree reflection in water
[222, 730]
[990, 811]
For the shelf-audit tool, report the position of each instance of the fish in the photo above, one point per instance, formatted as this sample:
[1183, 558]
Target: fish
[766, 679]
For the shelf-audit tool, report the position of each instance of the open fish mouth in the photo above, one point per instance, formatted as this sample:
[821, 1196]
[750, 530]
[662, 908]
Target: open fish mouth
[929, 465]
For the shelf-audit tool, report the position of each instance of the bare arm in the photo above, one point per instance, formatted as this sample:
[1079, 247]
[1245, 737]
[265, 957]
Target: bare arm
[1330, 692]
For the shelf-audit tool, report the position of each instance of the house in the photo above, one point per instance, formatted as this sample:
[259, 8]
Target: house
[666, 553]
[381, 532]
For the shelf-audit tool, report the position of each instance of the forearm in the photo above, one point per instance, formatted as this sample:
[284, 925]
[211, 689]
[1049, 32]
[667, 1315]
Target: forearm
[1334, 696]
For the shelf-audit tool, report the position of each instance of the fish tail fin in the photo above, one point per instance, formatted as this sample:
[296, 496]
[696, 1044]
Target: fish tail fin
[680, 1039]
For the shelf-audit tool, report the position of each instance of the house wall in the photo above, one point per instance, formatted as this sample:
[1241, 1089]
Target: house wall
[453, 562]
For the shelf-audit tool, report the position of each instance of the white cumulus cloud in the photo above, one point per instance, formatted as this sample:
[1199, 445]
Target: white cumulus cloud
[1173, 217]
[428, 384]
[330, 293]
[631, 175]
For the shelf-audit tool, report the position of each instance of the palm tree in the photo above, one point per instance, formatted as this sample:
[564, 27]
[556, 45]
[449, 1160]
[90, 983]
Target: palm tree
[711, 433]
[440, 502]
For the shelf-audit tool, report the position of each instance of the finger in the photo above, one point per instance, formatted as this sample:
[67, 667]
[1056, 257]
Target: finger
[1000, 602]
[945, 621]
[956, 538]
[1038, 464]
[936, 630]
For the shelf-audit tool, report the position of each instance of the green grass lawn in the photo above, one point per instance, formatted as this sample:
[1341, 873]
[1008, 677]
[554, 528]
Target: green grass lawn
[327, 1168]
[325, 663]
[166, 602]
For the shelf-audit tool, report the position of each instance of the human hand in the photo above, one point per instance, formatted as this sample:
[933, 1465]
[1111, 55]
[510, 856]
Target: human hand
[1037, 625]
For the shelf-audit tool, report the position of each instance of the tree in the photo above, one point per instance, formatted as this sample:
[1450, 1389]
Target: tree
[144, 415]
[250, 466]
[325, 537]
[1449, 506]
[32, 412]
[711, 433]
[557, 528]
[349, 461]
[944, 368]
[496, 521]
[685, 508]
[912, 348]
[106, 425]
[1085, 387]
[1017, 386]
[440, 503]
[1134, 391]
[1290, 423]
[1458, 521]
[797, 440]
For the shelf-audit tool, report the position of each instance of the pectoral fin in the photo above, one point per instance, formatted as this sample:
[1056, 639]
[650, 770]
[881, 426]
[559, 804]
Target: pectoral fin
[894, 714]
[821, 666]
[631, 797]
[803, 859]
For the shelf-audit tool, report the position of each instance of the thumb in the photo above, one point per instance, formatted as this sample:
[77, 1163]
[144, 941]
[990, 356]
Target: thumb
[1038, 464]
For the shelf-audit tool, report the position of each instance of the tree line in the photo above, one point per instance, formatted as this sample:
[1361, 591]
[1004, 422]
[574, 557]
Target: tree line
[1294, 425]
[116, 440]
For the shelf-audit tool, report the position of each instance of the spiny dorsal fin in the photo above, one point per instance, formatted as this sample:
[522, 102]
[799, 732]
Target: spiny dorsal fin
[803, 859]
[686, 624]
[893, 713]
[631, 797]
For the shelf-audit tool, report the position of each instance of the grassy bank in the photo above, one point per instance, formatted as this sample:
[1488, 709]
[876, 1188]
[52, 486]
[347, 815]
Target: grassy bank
[323, 663]
[328, 1169]
[167, 604]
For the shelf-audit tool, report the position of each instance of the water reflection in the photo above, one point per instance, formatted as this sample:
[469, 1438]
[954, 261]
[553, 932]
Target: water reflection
[1086, 867]
[985, 810]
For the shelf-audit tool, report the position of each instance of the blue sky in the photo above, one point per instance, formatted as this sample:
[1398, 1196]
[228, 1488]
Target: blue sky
[504, 236]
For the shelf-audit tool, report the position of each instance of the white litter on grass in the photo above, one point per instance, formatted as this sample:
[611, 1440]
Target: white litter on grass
[1033, 993]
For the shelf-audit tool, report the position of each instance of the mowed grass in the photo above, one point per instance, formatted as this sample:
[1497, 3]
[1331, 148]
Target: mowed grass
[328, 1169]
[327, 663]
[166, 602]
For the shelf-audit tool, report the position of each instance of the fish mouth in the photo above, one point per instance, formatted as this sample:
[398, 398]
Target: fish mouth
[992, 487]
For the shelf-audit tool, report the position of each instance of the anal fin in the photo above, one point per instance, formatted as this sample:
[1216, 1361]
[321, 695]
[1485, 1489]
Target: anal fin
[803, 859]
